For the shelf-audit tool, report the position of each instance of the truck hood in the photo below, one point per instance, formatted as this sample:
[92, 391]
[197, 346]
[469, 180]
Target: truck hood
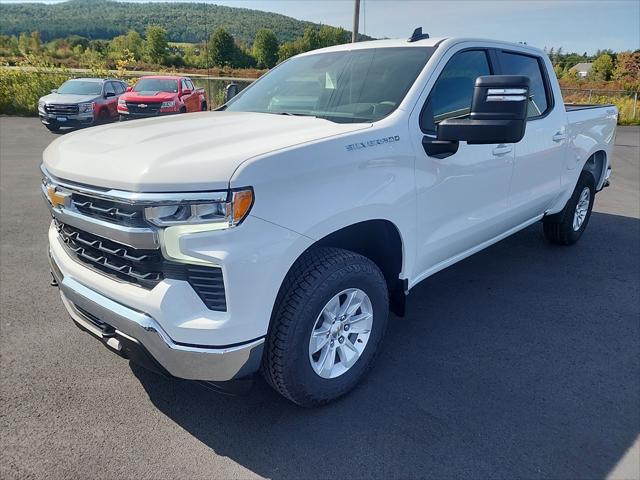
[68, 98]
[189, 152]
[149, 96]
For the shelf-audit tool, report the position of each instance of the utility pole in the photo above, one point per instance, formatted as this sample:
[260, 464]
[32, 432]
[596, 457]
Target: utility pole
[356, 21]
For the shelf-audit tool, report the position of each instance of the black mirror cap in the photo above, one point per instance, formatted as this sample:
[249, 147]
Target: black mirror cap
[231, 91]
[109, 94]
[498, 112]
[500, 97]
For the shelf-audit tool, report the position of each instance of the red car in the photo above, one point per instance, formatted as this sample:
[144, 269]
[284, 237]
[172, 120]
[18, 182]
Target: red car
[156, 95]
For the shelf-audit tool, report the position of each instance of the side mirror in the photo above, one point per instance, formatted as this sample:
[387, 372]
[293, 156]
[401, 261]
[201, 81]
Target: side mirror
[109, 94]
[129, 89]
[55, 90]
[230, 91]
[498, 112]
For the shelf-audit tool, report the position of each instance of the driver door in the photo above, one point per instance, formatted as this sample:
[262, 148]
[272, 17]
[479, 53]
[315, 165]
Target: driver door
[461, 198]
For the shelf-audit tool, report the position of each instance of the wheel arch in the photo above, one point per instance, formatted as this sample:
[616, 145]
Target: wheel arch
[596, 164]
[380, 241]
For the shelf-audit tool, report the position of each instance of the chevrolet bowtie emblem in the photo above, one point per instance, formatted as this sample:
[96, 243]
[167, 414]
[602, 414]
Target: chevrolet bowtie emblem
[57, 199]
[142, 105]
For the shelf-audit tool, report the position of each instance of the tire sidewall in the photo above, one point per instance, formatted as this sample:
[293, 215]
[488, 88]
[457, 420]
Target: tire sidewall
[339, 279]
[586, 180]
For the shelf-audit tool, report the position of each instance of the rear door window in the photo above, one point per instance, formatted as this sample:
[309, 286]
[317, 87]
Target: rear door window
[452, 94]
[518, 64]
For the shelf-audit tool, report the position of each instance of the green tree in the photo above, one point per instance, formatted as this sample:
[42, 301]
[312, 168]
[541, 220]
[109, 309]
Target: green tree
[222, 48]
[132, 43]
[287, 50]
[265, 48]
[156, 43]
[602, 67]
[311, 39]
[329, 36]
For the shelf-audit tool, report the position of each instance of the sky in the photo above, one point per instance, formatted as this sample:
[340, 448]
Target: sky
[575, 25]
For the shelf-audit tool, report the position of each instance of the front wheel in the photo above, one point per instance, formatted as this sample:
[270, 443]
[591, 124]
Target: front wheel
[566, 227]
[328, 325]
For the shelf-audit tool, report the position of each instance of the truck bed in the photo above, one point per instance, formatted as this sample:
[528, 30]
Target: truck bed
[570, 107]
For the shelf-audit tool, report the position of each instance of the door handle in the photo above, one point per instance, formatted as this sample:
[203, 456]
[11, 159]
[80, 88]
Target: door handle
[559, 137]
[502, 149]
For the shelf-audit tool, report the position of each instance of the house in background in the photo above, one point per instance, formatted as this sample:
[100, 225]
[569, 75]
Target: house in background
[581, 70]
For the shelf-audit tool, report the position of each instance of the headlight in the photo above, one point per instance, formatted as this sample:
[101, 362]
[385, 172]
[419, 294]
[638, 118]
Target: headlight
[189, 219]
[41, 104]
[168, 104]
[85, 107]
[121, 101]
[218, 214]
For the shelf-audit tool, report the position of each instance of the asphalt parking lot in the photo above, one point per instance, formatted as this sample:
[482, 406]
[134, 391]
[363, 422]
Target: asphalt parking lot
[520, 362]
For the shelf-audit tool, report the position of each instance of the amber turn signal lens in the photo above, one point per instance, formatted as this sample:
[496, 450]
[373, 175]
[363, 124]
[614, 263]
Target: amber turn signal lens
[242, 201]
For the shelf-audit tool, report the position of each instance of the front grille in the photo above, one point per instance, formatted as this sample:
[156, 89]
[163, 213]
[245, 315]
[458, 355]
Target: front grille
[145, 268]
[61, 109]
[116, 212]
[151, 108]
[142, 267]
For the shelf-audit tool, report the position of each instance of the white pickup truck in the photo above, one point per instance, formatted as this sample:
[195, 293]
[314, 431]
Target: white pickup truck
[277, 233]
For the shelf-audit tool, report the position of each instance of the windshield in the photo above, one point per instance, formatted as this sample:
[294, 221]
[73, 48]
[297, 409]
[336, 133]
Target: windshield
[345, 87]
[80, 87]
[156, 85]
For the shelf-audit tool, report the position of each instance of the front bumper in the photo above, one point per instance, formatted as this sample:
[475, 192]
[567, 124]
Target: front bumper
[70, 120]
[131, 116]
[137, 336]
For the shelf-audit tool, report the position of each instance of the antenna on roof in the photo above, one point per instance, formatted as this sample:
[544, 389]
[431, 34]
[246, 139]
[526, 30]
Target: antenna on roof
[417, 35]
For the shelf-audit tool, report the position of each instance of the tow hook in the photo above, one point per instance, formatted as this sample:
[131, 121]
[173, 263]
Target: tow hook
[54, 282]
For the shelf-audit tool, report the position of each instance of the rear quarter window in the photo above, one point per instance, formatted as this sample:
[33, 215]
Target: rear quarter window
[512, 63]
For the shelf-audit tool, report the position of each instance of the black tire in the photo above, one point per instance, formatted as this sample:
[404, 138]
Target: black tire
[559, 228]
[52, 127]
[204, 106]
[123, 118]
[183, 110]
[103, 118]
[315, 278]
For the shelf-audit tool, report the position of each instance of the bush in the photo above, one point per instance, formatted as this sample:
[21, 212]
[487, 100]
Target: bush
[623, 102]
[20, 88]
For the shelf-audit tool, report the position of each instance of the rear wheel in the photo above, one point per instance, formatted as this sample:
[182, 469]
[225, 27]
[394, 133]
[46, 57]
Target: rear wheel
[328, 325]
[566, 227]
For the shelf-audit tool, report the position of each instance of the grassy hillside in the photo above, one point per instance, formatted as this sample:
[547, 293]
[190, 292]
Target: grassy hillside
[105, 19]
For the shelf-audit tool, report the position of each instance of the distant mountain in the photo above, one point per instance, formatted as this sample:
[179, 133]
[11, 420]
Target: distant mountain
[105, 19]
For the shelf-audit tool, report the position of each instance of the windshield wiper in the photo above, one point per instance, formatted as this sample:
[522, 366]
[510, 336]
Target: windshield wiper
[296, 114]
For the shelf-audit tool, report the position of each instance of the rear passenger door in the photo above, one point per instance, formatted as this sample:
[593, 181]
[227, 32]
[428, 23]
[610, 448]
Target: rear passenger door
[540, 155]
[187, 98]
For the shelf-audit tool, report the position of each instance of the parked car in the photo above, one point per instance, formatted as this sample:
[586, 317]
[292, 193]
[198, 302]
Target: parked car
[278, 233]
[81, 102]
[156, 95]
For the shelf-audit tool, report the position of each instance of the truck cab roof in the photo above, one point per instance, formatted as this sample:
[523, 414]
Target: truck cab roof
[425, 42]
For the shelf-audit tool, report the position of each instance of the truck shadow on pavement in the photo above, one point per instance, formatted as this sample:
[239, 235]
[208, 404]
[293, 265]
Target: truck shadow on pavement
[521, 361]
